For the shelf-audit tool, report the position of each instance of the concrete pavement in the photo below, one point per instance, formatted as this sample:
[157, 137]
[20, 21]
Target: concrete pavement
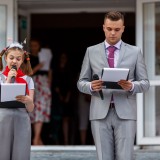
[83, 153]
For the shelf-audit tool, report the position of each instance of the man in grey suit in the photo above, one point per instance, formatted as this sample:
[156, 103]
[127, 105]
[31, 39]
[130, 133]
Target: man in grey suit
[113, 119]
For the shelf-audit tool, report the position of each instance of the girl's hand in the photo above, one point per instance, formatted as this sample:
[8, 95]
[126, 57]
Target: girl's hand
[11, 73]
[27, 100]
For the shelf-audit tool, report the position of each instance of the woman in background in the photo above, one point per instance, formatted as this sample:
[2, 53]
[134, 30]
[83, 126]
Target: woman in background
[62, 86]
[42, 100]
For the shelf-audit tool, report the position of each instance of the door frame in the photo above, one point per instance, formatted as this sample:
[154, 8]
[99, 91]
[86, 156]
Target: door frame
[141, 139]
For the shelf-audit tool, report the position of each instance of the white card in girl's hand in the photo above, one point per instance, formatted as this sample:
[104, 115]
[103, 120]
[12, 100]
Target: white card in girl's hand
[9, 91]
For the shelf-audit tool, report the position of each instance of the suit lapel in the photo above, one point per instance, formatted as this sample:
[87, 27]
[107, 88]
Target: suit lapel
[103, 54]
[121, 53]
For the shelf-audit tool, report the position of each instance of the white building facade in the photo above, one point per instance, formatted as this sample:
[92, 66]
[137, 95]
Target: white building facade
[147, 38]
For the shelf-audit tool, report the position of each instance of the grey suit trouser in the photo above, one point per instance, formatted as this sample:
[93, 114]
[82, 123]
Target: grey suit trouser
[15, 134]
[114, 137]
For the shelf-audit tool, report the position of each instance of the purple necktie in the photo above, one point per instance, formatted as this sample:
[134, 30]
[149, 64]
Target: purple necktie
[111, 50]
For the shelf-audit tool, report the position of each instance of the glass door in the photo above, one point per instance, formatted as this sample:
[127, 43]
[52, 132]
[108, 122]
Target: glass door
[8, 22]
[148, 39]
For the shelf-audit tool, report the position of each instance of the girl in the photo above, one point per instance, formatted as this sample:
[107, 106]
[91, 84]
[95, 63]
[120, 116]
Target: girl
[15, 126]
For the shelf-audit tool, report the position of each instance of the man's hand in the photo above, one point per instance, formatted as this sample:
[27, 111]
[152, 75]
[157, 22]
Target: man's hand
[126, 85]
[96, 85]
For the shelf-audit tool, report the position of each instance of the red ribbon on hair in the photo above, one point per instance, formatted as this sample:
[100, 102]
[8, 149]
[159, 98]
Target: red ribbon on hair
[18, 77]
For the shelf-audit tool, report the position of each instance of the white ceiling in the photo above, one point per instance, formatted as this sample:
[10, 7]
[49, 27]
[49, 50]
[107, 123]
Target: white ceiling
[76, 5]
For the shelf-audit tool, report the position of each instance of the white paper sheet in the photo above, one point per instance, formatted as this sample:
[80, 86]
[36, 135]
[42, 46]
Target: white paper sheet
[10, 90]
[114, 74]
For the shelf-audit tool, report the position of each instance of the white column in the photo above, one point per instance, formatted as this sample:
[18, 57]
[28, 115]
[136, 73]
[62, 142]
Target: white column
[149, 50]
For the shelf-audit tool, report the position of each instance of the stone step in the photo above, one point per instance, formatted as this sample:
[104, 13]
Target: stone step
[83, 153]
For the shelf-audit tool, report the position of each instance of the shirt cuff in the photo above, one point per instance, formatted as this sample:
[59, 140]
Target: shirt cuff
[132, 87]
[91, 88]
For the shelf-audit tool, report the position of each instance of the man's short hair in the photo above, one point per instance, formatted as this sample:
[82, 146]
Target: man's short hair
[114, 16]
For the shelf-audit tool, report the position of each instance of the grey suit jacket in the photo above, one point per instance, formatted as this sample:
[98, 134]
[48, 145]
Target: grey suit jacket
[125, 101]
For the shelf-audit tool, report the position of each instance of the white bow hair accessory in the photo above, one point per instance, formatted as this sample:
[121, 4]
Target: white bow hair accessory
[15, 44]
